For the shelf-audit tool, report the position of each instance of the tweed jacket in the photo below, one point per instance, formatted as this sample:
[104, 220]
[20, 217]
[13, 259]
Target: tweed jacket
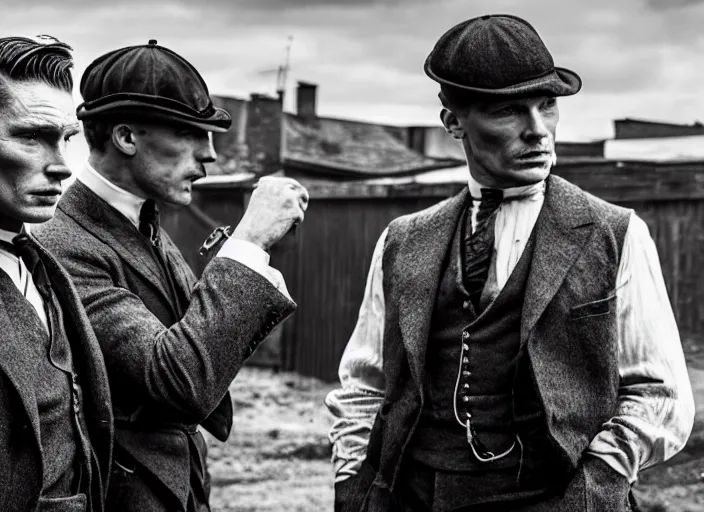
[21, 462]
[169, 363]
[568, 333]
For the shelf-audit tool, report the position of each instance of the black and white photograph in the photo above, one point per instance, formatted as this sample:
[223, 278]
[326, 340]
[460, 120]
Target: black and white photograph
[352, 256]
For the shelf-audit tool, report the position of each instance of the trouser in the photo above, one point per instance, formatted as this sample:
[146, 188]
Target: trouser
[135, 489]
[424, 489]
[595, 487]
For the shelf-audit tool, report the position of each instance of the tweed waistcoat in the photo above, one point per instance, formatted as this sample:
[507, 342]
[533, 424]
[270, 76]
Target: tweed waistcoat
[61, 445]
[478, 380]
[568, 330]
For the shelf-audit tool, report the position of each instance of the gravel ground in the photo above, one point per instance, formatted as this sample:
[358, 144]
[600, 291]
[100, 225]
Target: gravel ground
[278, 457]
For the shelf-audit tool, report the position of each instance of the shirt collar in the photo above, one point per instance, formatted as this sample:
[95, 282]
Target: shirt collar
[123, 201]
[533, 190]
[8, 236]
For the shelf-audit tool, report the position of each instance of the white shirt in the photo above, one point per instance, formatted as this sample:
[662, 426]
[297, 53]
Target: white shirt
[648, 427]
[16, 269]
[129, 205]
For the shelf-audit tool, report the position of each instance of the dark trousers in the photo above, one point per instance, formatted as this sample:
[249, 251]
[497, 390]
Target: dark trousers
[135, 489]
[594, 488]
[423, 489]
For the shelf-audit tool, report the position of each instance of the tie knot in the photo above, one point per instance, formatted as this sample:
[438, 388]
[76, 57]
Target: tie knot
[21, 241]
[492, 194]
[26, 249]
[490, 202]
[149, 211]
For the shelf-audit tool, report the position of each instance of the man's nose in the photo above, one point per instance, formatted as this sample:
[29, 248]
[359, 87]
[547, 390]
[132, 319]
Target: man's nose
[58, 171]
[56, 167]
[536, 128]
[206, 151]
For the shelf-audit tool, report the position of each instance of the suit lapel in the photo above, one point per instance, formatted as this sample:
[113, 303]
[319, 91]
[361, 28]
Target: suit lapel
[563, 228]
[182, 272]
[104, 222]
[421, 263]
[15, 358]
[87, 357]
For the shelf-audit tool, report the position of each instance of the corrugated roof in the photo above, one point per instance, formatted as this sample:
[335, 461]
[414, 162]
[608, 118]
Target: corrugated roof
[343, 147]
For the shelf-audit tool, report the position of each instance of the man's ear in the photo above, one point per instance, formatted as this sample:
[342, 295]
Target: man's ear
[123, 138]
[452, 124]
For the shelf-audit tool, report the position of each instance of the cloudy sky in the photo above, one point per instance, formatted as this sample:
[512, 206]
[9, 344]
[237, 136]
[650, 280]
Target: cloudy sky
[638, 58]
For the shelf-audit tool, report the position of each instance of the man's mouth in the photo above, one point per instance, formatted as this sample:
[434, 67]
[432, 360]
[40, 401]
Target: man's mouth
[49, 191]
[533, 155]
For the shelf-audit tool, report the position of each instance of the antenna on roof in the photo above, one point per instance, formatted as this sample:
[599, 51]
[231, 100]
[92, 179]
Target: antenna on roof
[282, 74]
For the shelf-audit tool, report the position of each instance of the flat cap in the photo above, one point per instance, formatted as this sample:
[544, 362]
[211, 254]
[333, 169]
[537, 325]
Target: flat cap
[150, 81]
[498, 54]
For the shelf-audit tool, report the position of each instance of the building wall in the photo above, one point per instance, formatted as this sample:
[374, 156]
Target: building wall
[635, 129]
[579, 149]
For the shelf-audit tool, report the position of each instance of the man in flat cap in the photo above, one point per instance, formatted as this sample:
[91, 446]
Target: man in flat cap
[515, 348]
[55, 412]
[172, 345]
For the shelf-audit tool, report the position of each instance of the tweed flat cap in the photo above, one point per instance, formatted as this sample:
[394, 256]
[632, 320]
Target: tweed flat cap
[498, 54]
[150, 81]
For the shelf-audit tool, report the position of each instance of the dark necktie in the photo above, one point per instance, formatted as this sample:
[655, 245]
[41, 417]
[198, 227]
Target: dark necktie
[149, 227]
[25, 248]
[149, 221]
[478, 246]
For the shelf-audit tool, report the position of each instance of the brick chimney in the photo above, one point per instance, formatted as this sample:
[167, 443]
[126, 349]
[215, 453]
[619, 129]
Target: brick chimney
[306, 99]
[264, 132]
[228, 144]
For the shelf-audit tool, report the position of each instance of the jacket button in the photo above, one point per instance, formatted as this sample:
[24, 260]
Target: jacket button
[465, 335]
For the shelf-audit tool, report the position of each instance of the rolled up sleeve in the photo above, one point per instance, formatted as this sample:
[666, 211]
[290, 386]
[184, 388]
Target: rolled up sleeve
[655, 411]
[356, 403]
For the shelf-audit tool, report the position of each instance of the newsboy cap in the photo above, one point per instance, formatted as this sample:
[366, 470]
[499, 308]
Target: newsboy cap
[498, 54]
[150, 81]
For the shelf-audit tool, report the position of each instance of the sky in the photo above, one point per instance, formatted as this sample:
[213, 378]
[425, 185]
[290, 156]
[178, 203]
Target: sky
[637, 58]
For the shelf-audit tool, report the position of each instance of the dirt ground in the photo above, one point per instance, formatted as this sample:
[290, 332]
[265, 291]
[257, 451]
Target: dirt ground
[278, 457]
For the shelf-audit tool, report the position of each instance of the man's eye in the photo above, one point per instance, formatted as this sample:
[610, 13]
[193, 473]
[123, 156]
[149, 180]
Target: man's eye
[32, 135]
[506, 111]
[550, 103]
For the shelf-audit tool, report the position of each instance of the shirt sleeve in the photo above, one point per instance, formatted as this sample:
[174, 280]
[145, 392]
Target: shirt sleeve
[655, 412]
[356, 403]
[255, 258]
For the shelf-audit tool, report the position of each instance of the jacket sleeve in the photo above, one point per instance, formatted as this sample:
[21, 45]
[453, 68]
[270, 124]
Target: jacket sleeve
[188, 366]
[356, 403]
[655, 412]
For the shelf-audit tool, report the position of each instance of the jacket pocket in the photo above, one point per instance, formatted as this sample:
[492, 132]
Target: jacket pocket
[594, 308]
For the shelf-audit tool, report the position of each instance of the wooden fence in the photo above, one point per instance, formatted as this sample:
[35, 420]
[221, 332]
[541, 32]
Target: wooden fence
[326, 265]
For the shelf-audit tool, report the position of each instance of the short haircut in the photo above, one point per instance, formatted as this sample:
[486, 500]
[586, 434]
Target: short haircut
[43, 59]
[98, 132]
[456, 99]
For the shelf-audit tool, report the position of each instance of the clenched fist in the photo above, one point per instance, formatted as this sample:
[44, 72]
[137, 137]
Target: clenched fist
[276, 205]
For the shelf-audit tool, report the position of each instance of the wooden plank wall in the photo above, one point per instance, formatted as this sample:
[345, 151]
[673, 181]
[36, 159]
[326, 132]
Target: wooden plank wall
[325, 265]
